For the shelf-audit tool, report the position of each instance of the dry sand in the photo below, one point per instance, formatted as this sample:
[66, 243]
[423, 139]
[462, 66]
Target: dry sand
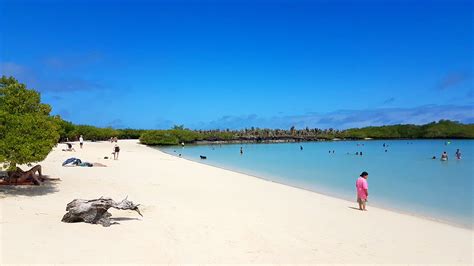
[194, 213]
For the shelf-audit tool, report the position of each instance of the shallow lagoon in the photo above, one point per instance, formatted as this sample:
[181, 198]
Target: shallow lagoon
[404, 178]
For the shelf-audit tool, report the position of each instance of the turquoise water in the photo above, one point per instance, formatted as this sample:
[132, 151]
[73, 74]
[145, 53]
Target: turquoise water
[404, 178]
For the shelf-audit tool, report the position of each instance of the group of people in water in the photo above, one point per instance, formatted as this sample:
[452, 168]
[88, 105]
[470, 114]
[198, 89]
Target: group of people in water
[444, 155]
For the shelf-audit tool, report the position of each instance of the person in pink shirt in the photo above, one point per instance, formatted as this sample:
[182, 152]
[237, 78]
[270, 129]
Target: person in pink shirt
[362, 190]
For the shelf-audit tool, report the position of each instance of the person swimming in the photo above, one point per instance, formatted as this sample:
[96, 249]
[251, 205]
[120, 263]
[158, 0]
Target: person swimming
[301, 148]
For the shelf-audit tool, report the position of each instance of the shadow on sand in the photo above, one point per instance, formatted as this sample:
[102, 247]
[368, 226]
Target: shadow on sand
[47, 187]
[354, 208]
[118, 219]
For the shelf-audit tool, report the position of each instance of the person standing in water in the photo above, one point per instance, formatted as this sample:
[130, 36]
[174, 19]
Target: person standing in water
[362, 190]
[444, 156]
[241, 150]
[81, 141]
[458, 154]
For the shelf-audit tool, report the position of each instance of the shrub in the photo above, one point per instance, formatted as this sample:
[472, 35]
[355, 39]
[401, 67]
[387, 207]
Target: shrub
[159, 137]
[27, 131]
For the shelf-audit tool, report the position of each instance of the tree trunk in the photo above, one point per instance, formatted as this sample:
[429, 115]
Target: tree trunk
[95, 211]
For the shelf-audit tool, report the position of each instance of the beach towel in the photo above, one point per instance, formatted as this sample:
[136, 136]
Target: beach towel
[72, 161]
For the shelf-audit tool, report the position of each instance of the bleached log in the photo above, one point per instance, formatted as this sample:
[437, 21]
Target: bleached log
[95, 211]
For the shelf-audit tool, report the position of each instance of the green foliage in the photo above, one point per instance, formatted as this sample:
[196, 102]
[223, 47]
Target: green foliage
[178, 135]
[27, 132]
[448, 129]
[159, 137]
[129, 133]
[65, 128]
[68, 130]
[216, 136]
[93, 133]
[442, 129]
[185, 135]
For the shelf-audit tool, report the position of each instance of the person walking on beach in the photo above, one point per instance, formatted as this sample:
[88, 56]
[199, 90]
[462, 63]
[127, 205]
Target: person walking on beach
[116, 151]
[81, 141]
[362, 190]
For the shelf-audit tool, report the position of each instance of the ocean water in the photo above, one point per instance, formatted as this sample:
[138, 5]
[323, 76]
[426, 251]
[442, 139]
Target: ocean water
[405, 178]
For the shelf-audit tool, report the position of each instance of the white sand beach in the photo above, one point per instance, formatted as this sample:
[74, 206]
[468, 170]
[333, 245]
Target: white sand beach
[194, 213]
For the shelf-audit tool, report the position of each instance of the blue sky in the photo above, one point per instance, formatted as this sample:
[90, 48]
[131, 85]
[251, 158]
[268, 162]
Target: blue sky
[235, 64]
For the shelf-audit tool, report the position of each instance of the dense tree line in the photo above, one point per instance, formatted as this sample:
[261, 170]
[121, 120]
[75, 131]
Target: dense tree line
[28, 131]
[70, 132]
[442, 129]
[179, 134]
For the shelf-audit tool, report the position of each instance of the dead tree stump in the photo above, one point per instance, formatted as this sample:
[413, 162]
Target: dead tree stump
[95, 211]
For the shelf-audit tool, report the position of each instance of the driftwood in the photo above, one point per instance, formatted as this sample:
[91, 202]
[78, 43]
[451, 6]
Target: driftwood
[95, 211]
[20, 177]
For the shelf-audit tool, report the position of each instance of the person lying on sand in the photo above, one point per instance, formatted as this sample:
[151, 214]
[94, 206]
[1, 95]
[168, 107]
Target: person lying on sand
[20, 177]
[69, 147]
